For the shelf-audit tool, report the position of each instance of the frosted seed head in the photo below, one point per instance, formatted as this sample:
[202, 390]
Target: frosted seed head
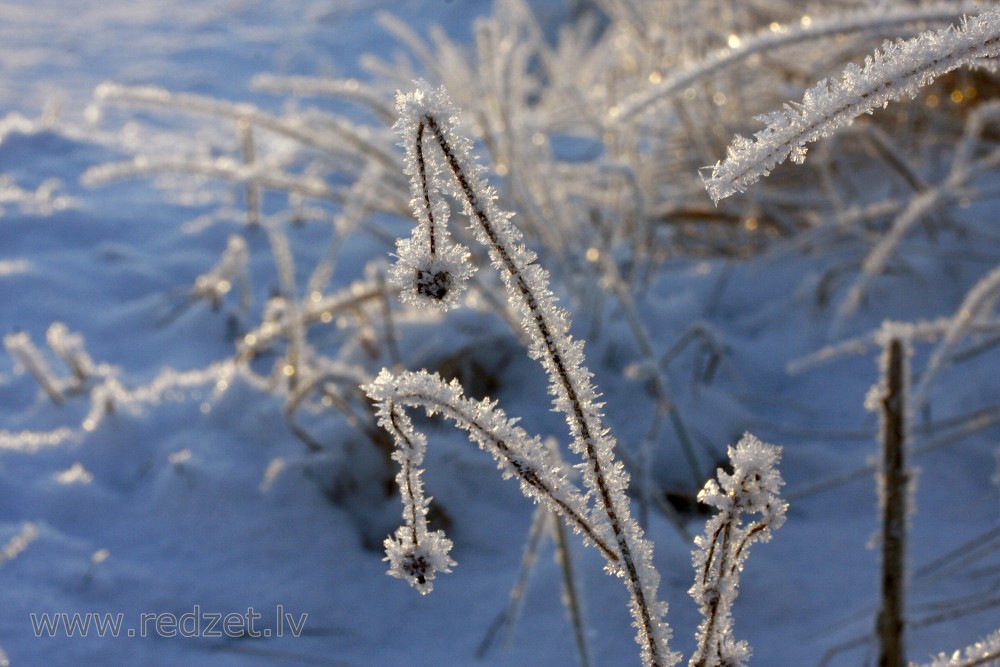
[418, 562]
[755, 474]
[413, 107]
[434, 285]
[425, 280]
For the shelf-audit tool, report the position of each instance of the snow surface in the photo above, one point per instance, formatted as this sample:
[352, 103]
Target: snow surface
[195, 503]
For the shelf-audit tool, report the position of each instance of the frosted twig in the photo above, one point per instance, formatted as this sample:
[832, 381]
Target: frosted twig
[964, 168]
[779, 36]
[544, 522]
[245, 130]
[223, 168]
[710, 339]
[571, 592]
[350, 89]
[430, 269]
[310, 311]
[517, 455]
[69, 347]
[219, 280]
[752, 488]
[360, 199]
[963, 555]
[29, 442]
[925, 330]
[16, 545]
[508, 616]
[900, 69]
[666, 407]
[921, 205]
[973, 309]
[44, 200]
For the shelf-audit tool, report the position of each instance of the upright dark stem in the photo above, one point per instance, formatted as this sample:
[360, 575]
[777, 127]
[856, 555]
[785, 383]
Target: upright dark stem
[890, 623]
[425, 191]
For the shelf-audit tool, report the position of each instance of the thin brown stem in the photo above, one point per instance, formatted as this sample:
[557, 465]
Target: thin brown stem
[890, 624]
[721, 538]
[424, 190]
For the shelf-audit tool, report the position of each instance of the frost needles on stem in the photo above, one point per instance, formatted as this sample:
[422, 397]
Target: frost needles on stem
[431, 266]
[901, 68]
[752, 488]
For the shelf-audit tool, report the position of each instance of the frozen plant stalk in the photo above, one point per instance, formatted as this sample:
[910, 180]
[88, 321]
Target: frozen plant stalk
[752, 488]
[894, 487]
[432, 270]
[902, 68]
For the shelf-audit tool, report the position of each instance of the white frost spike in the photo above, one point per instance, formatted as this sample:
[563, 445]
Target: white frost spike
[901, 69]
[752, 488]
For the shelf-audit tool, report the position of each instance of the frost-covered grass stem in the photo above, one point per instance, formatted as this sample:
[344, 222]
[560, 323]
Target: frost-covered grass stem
[439, 162]
[518, 454]
[985, 652]
[902, 68]
[752, 488]
[777, 36]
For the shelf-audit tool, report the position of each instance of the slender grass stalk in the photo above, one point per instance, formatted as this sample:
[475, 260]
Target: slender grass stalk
[571, 592]
[901, 69]
[343, 133]
[507, 618]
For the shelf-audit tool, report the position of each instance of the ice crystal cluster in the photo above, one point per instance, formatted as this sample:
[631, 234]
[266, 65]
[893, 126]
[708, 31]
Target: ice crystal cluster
[985, 652]
[751, 489]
